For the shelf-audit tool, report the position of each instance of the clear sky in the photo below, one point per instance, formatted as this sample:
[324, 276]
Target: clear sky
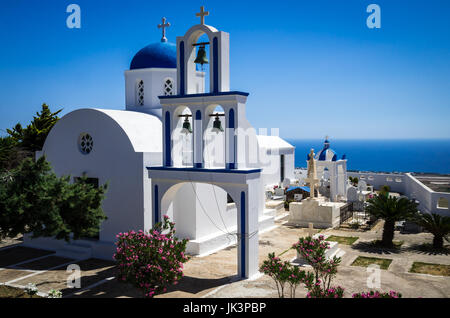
[312, 68]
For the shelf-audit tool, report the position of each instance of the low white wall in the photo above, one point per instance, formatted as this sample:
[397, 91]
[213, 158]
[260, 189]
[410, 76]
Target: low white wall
[408, 185]
[395, 181]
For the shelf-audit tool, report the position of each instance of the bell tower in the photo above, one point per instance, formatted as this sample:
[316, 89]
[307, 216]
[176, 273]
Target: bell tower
[219, 76]
[192, 125]
[189, 107]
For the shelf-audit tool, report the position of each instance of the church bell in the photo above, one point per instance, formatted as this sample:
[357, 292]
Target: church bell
[187, 126]
[217, 125]
[201, 56]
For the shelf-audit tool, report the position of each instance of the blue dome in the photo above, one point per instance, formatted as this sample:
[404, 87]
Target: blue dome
[156, 55]
[326, 154]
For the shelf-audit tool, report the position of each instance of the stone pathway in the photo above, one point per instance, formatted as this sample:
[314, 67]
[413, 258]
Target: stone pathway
[215, 275]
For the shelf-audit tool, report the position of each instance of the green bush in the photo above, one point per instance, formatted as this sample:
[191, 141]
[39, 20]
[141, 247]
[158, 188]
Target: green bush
[151, 261]
[34, 200]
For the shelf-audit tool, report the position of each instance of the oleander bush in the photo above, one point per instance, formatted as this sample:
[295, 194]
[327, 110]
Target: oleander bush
[313, 251]
[284, 273]
[151, 261]
[377, 294]
[318, 282]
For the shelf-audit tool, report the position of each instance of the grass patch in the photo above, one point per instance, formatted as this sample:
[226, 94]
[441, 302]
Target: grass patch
[432, 269]
[12, 292]
[347, 240]
[366, 261]
[379, 243]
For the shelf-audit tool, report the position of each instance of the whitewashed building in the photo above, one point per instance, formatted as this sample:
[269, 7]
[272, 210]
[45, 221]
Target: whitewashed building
[333, 172]
[176, 149]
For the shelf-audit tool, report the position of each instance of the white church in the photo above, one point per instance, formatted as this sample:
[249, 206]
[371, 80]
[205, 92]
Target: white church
[182, 147]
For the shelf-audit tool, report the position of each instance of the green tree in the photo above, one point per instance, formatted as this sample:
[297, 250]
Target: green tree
[354, 181]
[385, 190]
[32, 137]
[437, 225]
[11, 154]
[391, 209]
[34, 200]
[23, 142]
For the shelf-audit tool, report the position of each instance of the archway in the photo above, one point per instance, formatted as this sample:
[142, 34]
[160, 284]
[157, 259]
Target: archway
[201, 209]
[182, 137]
[214, 137]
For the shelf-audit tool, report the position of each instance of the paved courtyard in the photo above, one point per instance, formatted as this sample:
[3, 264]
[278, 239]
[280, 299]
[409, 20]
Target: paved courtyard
[214, 275]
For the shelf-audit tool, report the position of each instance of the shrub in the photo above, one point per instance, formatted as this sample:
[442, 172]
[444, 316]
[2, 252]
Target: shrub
[376, 294]
[278, 271]
[316, 291]
[313, 251]
[151, 261]
[284, 272]
[34, 200]
[54, 293]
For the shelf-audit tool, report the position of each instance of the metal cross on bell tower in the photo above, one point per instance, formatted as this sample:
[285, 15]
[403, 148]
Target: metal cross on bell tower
[202, 14]
[163, 26]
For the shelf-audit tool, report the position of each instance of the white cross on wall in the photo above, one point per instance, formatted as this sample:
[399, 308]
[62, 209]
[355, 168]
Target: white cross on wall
[202, 14]
[163, 26]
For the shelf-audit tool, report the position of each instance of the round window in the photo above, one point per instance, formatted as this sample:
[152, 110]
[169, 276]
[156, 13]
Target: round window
[85, 143]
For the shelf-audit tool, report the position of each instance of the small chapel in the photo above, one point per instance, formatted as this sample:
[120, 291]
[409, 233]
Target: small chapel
[182, 146]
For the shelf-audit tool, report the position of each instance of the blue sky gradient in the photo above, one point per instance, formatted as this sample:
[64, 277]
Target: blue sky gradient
[312, 68]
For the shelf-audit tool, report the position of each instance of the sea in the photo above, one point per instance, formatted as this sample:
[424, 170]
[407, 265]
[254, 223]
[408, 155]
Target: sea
[407, 155]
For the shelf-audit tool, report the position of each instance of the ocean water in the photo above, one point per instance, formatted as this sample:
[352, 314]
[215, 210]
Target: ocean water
[412, 155]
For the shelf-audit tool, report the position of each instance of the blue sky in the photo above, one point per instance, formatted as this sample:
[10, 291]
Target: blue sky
[312, 68]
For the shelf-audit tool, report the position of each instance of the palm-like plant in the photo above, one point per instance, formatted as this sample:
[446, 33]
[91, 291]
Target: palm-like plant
[437, 225]
[391, 209]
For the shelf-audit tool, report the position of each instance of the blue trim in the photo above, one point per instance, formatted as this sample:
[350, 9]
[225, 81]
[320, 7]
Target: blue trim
[182, 83]
[304, 188]
[232, 125]
[205, 94]
[167, 142]
[191, 169]
[243, 231]
[198, 116]
[323, 155]
[216, 65]
[155, 198]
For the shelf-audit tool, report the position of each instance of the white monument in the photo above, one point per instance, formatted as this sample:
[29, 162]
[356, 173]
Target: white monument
[333, 171]
[315, 210]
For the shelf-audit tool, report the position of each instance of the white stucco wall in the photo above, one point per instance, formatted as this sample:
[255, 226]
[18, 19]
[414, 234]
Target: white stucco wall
[124, 142]
[408, 185]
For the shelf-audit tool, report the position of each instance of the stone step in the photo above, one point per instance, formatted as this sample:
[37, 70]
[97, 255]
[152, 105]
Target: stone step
[75, 251]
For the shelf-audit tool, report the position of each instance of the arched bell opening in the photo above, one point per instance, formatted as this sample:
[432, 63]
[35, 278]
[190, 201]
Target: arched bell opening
[201, 55]
[202, 64]
[215, 137]
[182, 137]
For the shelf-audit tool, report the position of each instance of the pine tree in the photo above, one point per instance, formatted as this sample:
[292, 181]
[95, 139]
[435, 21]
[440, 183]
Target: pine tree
[34, 200]
[32, 137]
